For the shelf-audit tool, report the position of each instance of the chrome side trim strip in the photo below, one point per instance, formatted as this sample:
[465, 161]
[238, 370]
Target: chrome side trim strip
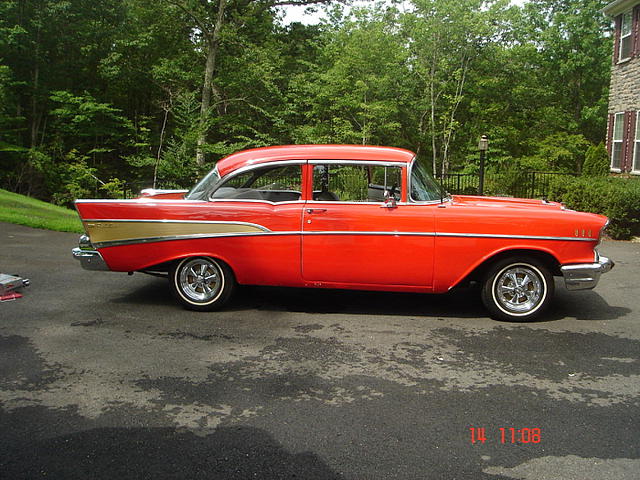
[207, 222]
[145, 200]
[266, 232]
[160, 191]
[517, 237]
[195, 236]
[346, 232]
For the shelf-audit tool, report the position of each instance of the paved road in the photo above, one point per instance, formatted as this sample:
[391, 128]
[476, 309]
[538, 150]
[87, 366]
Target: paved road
[103, 376]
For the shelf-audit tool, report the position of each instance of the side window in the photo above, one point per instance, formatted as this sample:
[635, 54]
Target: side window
[272, 184]
[355, 183]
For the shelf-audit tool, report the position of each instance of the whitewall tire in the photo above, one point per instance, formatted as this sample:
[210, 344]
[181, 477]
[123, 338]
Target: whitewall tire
[517, 289]
[202, 283]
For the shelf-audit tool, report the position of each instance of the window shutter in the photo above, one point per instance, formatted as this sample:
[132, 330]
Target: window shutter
[612, 117]
[616, 38]
[630, 130]
[635, 28]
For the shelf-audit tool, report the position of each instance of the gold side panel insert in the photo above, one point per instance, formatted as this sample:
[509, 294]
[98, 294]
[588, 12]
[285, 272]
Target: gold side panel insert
[106, 231]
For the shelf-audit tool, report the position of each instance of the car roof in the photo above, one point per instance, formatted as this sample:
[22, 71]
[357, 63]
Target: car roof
[312, 152]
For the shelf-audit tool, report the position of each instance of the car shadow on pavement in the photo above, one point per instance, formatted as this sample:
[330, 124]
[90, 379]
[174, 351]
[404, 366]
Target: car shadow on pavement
[463, 302]
[459, 303]
[132, 453]
[586, 305]
[153, 291]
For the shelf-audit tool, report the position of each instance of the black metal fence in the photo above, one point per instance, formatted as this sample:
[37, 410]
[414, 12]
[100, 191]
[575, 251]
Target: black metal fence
[527, 184]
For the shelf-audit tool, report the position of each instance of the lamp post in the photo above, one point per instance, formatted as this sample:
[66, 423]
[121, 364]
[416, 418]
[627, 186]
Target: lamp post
[483, 146]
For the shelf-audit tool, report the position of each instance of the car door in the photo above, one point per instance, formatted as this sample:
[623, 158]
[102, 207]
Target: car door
[352, 238]
[264, 203]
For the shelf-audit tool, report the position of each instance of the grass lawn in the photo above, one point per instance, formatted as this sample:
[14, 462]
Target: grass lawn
[34, 213]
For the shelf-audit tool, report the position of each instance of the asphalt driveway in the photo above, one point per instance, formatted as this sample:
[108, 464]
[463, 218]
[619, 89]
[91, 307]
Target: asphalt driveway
[103, 375]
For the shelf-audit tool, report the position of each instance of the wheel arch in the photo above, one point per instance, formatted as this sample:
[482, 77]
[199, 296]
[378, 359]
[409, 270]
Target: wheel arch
[478, 271]
[168, 262]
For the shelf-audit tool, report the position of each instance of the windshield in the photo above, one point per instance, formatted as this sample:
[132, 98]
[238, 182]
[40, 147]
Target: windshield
[204, 186]
[423, 187]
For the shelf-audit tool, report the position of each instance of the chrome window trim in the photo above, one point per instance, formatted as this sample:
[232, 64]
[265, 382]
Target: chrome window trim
[381, 163]
[421, 202]
[399, 165]
[253, 200]
[343, 202]
[255, 166]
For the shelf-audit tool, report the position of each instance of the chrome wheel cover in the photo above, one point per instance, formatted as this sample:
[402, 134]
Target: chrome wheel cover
[519, 289]
[200, 280]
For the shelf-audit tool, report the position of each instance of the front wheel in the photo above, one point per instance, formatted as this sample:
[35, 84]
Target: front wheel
[517, 289]
[202, 283]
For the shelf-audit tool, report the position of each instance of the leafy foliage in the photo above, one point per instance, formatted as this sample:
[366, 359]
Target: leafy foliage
[596, 162]
[617, 198]
[94, 94]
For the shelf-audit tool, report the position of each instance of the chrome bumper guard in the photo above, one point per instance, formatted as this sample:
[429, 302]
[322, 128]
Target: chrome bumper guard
[89, 259]
[585, 276]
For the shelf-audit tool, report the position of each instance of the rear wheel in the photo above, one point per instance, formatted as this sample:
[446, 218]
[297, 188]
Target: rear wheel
[202, 283]
[517, 289]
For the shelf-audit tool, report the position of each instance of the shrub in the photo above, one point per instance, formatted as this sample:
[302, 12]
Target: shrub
[617, 198]
[596, 162]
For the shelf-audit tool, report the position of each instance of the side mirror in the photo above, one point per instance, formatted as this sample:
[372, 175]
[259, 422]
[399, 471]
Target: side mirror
[389, 200]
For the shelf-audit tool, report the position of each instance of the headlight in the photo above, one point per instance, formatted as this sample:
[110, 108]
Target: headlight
[601, 234]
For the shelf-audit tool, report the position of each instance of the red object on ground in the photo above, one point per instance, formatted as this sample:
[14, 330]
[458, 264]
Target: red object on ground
[10, 296]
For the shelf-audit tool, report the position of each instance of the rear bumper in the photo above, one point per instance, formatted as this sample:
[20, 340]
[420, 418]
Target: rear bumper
[585, 276]
[90, 259]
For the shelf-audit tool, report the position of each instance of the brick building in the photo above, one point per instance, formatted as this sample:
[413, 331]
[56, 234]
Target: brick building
[623, 136]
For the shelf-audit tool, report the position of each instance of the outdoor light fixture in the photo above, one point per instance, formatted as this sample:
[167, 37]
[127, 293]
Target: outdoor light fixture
[483, 146]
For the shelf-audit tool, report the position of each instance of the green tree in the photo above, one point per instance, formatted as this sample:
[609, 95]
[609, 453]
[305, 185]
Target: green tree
[596, 162]
[573, 37]
[445, 39]
[354, 93]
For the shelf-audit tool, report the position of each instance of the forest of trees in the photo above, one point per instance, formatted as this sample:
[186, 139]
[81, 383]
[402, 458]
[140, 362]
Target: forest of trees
[94, 94]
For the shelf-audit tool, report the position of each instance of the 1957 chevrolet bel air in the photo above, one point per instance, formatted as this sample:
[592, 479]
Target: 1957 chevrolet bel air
[338, 216]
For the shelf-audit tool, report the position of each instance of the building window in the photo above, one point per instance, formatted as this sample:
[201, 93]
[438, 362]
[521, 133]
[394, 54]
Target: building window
[626, 39]
[636, 146]
[616, 147]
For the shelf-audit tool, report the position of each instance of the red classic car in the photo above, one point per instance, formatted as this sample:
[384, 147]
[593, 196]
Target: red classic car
[338, 216]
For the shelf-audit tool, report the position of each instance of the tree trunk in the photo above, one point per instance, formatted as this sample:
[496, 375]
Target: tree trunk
[34, 97]
[164, 126]
[212, 44]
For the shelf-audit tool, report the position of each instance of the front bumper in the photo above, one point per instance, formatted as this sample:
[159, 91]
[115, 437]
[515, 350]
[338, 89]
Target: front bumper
[585, 276]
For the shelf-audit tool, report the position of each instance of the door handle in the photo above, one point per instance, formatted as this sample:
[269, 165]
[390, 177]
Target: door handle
[316, 210]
